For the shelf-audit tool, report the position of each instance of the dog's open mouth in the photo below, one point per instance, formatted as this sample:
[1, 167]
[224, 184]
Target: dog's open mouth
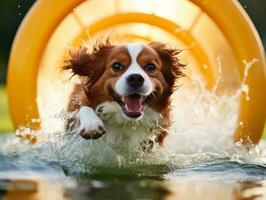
[132, 105]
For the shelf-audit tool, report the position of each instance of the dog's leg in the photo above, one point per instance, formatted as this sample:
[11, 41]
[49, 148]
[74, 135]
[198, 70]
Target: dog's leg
[70, 121]
[91, 126]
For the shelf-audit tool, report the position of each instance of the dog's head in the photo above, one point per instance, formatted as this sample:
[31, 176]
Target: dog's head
[132, 75]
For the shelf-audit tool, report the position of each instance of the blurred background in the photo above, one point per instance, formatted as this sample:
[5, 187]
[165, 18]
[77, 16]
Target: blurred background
[13, 11]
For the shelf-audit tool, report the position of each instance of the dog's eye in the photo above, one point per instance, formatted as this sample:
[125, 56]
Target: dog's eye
[150, 67]
[117, 66]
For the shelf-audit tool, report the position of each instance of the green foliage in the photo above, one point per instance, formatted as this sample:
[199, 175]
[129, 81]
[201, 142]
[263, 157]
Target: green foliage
[264, 132]
[5, 122]
[11, 14]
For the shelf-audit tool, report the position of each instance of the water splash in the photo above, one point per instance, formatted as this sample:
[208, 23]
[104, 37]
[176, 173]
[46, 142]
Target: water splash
[203, 123]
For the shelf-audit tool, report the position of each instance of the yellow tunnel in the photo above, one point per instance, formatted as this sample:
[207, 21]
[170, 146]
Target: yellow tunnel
[209, 29]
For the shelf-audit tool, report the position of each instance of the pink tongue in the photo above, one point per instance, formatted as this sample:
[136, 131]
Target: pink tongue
[133, 103]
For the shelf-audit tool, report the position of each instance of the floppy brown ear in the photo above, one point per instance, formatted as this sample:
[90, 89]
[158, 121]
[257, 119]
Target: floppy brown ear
[90, 64]
[172, 68]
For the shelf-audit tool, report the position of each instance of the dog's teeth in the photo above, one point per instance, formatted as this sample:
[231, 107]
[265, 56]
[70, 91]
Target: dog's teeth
[126, 107]
[143, 99]
[123, 99]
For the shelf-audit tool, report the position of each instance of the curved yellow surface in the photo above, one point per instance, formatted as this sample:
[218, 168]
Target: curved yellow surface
[237, 28]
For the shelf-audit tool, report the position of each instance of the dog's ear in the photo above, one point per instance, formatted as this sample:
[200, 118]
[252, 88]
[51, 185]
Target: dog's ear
[172, 68]
[89, 64]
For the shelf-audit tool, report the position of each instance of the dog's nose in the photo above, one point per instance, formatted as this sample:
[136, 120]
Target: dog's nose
[135, 80]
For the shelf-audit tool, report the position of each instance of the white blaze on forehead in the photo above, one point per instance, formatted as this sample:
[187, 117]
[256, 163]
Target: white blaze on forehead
[121, 86]
[134, 68]
[134, 50]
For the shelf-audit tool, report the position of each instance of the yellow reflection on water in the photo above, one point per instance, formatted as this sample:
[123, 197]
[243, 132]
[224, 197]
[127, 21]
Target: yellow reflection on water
[188, 190]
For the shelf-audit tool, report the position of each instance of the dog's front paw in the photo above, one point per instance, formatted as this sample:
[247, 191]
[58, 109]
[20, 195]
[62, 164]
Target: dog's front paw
[92, 130]
[70, 123]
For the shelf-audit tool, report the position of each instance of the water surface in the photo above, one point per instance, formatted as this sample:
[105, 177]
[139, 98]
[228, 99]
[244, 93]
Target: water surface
[73, 168]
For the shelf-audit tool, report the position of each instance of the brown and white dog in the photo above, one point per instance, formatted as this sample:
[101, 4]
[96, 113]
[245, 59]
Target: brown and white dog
[124, 91]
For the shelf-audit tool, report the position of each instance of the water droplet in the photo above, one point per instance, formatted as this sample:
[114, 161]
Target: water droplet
[36, 120]
[239, 143]
[205, 66]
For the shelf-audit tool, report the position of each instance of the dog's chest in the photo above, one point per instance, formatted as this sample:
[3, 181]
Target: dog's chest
[120, 130]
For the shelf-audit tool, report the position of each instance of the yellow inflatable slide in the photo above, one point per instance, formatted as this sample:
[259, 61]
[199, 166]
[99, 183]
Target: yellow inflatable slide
[208, 28]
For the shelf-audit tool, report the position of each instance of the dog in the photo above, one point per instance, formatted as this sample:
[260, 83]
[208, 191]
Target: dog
[124, 91]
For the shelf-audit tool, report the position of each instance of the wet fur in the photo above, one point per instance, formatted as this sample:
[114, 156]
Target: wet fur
[95, 87]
